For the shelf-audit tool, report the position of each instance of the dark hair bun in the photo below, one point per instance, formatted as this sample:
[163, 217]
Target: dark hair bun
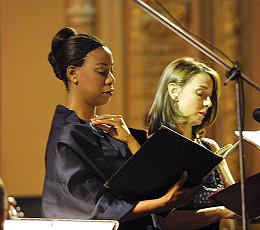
[61, 37]
[70, 48]
[58, 41]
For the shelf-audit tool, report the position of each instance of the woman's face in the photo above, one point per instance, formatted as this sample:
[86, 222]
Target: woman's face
[95, 77]
[195, 98]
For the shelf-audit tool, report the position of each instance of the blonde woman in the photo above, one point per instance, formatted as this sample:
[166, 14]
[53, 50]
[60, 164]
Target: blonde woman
[187, 101]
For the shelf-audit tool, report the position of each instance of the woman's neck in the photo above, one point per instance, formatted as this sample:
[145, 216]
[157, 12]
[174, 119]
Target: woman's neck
[83, 110]
[186, 130]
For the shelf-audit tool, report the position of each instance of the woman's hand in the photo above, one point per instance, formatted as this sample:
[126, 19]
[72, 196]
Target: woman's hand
[222, 212]
[114, 125]
[174, 198]
[223, 168]
[117, 128]
[227, 214]
[195, 219]
[177, 196]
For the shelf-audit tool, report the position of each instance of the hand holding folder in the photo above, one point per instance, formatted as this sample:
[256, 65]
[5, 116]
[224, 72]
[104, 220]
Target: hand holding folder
[159, 163]
[230, 197]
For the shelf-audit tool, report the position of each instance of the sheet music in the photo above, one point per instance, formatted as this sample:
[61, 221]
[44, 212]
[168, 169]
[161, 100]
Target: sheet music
[59, 224]
[230, 148]
[252, 137]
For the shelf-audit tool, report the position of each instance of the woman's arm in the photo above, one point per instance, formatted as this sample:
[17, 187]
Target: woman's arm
[194, 219]
[225, 173]
[174, 198]
[132, 144]
[85, 196]
[223, 168]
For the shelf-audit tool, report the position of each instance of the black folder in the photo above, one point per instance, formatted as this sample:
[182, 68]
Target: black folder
[230, 197]
[159, 163]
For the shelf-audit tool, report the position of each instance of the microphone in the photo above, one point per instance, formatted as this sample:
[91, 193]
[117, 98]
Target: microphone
[256, 114]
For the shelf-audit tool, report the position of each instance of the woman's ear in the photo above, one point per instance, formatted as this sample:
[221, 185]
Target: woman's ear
[173, 91]
[72, 74]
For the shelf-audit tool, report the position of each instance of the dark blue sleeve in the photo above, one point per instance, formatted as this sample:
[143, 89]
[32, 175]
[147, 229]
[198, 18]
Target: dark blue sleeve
[74, 179]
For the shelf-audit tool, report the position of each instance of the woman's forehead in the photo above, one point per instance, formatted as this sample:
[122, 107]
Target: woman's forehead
[199, 81]
[202, 79]
[101, 55]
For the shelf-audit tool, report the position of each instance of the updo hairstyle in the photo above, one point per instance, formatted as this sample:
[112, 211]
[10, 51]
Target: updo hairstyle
[70, 48]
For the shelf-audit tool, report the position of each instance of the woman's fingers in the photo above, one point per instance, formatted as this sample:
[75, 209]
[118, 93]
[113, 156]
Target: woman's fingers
[178, 185]
[111, 120]
[103, 127]
[177, 196]
[114, 125]
[107, 118]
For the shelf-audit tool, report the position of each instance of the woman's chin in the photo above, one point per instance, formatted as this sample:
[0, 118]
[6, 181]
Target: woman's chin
[104, 102]
[197, 122]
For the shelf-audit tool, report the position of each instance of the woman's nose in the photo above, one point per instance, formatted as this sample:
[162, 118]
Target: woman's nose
[208, 102]
[110, 79]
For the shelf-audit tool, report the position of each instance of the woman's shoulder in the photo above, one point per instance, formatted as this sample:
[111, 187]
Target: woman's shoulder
[67, 126]
[62, 114]
[64, 117]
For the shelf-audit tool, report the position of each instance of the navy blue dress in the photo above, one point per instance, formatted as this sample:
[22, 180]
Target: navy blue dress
[79, 160]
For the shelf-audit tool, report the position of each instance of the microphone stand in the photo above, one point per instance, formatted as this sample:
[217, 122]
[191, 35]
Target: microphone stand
[233, 73]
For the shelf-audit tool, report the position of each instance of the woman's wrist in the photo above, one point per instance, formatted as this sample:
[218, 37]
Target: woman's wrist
[132, 144]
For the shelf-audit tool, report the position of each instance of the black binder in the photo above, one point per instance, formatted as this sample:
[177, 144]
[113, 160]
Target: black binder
[230, 197]
[159, 163]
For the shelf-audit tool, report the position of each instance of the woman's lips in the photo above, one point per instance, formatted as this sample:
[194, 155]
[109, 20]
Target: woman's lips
[111, 91]
[202, 114]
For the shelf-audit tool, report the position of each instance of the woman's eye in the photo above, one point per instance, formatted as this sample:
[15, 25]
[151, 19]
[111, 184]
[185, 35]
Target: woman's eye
[103, 73]
[198, 93]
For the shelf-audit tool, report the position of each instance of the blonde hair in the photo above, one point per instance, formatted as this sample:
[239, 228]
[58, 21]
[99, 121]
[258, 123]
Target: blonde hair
[164, 112]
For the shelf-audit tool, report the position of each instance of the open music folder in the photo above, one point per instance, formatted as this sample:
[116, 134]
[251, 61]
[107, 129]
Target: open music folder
[159, 163]
[253, 137]
[230, 197]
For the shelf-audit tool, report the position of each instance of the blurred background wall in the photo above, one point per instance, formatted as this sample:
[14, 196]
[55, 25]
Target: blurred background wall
[142, 48]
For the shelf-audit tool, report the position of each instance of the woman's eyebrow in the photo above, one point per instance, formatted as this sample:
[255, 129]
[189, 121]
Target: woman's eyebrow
[104, 64]
[101, 63]
[203, 86]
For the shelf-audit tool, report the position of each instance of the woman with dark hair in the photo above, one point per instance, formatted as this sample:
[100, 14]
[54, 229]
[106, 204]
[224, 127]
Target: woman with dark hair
[187, 101]
[84, 150]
